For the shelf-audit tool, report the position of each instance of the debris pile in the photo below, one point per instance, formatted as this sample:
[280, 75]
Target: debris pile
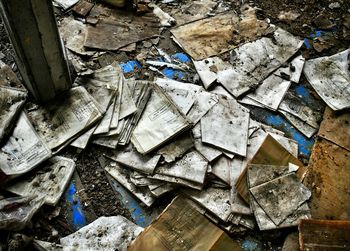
[192, 126]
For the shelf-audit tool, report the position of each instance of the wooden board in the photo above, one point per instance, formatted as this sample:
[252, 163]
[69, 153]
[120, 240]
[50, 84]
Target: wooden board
[319, 235]
[336, 128]
[328, 177]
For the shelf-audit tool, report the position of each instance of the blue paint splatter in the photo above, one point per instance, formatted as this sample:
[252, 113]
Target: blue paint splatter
[302, 92]
[141, 216]
[305, 144]
[77, 213]
[182, 57]
[130, 66]
[174, 74]
[249, 245]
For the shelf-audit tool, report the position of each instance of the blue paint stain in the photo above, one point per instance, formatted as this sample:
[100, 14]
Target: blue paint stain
[249, 245]
[131, 66]
[301, 91]
[77, 213]
[307, 43]
[140, 215]
[174, 74]
[182, 57]
[305, 144]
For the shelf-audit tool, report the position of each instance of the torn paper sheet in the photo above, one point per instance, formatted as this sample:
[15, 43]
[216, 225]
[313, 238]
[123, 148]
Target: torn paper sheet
[216, 201]
[158, 191]
[46, 246]
[82, 141]
[11, 103]
[193, 231]
[16, 212]
[193, 10]
[253, 62]
[269, 151]
[131, 158]
[142, 91]
[294, 106]
[177, 181]
[48, 183]
[214, 35]
[24, 150]
[330, 77]
[105, 124]
[127, 103]
[117, 107]
[160, 121]
[227, 119]
[271, 91]
[65, 4]
[165, 19]
[265, 223]
[208, 68]
[104, 234]
[192, 167]
[122, 176]
[300, 125]
[177, 148]
[221, 168]
[73, 33]
[293, 71]
[110, 31]
[65, 118]
[191, 99]
[209, 152]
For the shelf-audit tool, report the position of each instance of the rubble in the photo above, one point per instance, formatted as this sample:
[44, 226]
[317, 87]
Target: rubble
[226, 129]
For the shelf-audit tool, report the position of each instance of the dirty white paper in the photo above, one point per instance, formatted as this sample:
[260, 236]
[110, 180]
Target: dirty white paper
[160, 121]
[330, 77]
[253, 62]
[48, 183]
[104, 234]
[24, 150]
[226, 120]
[66, 117]
[11, 102]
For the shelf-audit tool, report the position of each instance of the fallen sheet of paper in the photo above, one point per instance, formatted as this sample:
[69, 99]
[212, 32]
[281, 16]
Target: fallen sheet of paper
[11, 103]
[24, 150]
[226, 120]
[182, 227]
[104, 234]
[67, 117]
[330, 78]
[160, 121]
[16, 212]
[214, 35]
[177, 148]
[192, 167]
[122, 176]
[192, 100]
[47, 183]
[131, 158]
[253, 62]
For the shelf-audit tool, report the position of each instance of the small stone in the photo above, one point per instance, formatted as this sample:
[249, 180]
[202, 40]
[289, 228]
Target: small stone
[335, 5]
[288, 16]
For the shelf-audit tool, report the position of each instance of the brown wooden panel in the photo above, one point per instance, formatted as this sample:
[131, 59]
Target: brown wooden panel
[325, 235]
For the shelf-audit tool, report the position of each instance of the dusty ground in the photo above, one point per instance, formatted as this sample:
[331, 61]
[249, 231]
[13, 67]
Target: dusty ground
[101, 199]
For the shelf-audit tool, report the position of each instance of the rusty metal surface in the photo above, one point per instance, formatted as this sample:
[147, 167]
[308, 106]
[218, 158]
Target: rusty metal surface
[336, 128]
[328, 177]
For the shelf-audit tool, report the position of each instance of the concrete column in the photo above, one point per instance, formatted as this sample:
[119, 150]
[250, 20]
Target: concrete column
[33, 31]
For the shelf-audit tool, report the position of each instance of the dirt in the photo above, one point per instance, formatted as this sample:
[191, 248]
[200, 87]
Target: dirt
[100, 198]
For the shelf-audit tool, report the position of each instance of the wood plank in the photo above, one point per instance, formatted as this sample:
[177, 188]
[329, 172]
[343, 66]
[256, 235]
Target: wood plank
[328, 177]
[322, 235]
[336, 128]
